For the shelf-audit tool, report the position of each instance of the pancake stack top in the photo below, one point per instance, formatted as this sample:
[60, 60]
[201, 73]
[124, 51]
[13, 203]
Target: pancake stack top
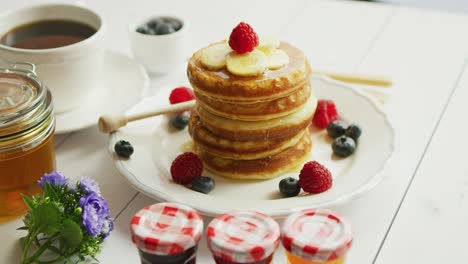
[253, 110]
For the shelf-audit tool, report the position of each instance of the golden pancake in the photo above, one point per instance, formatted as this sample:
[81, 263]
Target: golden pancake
[239, 130]
[256, 111]
[258, 169]
[244, 150]
[268, 86]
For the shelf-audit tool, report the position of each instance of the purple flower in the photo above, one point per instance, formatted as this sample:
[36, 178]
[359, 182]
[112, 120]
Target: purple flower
[89, 185]
[54, 179]
[95, 212]
[107, 227]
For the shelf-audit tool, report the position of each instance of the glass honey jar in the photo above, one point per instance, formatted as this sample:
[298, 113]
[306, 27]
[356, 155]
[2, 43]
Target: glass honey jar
[27, 127]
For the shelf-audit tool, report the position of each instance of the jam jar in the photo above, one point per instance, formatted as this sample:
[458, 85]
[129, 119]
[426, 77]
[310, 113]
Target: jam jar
[26, 137]
[167, 233]
[316, 237]
[243, 237]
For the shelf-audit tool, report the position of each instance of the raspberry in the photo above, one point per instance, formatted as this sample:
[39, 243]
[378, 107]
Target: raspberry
[325, 113]
[181, 94]
[315, 178]
[243, 38]
[185, 167]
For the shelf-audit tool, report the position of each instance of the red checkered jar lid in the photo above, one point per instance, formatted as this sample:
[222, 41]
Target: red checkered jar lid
[166, 228]
[317, 235]
[243, 237]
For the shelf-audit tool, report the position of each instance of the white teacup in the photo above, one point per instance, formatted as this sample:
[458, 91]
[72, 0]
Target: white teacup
[71, 72]
[159, 53]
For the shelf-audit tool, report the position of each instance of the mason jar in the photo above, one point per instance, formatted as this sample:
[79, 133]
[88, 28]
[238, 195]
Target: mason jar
[26, 137]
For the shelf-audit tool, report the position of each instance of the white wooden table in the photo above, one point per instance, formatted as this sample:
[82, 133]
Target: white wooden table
[419, 213]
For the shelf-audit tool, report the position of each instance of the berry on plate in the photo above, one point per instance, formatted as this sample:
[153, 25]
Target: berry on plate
[180, 121]
[181, 94]
[354, 132]
[325, 113]
[343, 146]
[289, 187]
[243, 38]
[123, 148]
[203, 184]
[336, 128]
[315, 178]
[185, 167]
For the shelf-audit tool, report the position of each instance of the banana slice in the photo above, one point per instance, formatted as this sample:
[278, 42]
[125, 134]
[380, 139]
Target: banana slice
[214, 56]
[268, 43]
[248, 64]
[277, 59]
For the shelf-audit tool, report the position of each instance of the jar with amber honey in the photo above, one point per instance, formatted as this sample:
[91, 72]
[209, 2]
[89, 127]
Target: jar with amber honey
[316, 236]
[26, 137]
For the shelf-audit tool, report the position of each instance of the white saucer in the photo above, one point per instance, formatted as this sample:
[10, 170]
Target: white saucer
[123, 82]
[156, 146]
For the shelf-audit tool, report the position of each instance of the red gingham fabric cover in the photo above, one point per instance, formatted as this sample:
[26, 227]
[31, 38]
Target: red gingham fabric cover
[243, 237]
[317, 235]
[166, 228]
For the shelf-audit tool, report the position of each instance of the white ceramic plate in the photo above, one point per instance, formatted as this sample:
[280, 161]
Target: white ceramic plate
[122, 84]
[156, 146]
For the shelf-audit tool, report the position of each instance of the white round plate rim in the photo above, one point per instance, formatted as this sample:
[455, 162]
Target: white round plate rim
[74, 124]
[282, 212]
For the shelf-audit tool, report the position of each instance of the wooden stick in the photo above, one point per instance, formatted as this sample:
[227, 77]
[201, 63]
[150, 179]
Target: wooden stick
[359, 78]
[110, 123]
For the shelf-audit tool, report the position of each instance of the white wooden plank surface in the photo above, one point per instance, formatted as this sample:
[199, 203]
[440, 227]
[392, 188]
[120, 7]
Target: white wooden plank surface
[431, 226]
[336, 35]
[422, 51]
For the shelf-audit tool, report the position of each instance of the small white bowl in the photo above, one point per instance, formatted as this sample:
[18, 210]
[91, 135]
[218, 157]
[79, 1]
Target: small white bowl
[159, 53]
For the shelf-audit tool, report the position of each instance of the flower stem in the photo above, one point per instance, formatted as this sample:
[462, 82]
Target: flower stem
[43, 248]
[29, 239]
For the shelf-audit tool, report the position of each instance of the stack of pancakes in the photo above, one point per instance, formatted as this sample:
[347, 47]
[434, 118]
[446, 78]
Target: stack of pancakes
[252, 127]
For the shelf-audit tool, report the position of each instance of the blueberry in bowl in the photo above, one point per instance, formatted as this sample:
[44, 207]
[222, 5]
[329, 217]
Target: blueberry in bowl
[159, 42]
[160, 26]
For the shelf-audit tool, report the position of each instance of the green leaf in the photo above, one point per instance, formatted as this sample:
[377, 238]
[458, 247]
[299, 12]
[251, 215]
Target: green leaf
[28, 201]
[22, 242]
[71, 234]
[50, 192]
[48, 218]
[22, 228]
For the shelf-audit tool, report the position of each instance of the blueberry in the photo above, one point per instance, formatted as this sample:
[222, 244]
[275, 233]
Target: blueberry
[143, 30]
[289, 187]
[180, 121]
[123, 148]
[164, 28]
[153, 23]
[343, 146]
[203, 184]
[152, 31]
[336, 128]
[354, 132]
[175, 24]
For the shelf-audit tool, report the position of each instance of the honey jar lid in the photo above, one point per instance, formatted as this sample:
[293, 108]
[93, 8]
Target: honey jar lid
[166, 229]
[25, 103]
[243, 237]
[318, 235]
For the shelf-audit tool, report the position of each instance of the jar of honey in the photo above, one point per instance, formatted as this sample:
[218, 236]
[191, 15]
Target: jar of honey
[26, 137]
[167, 233]
[243, 237]
[316, 237]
